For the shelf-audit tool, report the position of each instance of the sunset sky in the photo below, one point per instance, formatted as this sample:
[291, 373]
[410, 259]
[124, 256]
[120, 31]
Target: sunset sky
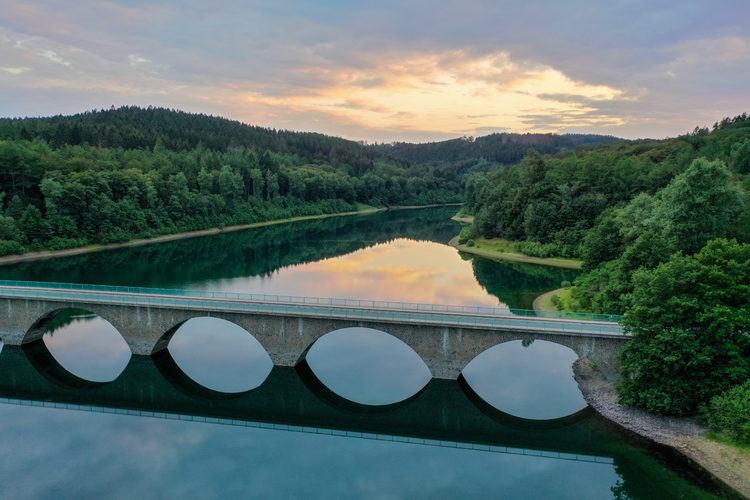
[412, 70]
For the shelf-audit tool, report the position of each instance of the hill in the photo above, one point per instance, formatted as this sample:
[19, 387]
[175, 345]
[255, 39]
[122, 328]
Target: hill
[140, 128]
[504, 148]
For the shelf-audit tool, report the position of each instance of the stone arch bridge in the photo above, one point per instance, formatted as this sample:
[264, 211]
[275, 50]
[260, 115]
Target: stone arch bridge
[445, 337]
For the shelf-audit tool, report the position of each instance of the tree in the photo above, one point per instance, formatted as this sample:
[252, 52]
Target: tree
[257, 179]
[33, 225]
[697, 206]
[603, 242]
[689, 321]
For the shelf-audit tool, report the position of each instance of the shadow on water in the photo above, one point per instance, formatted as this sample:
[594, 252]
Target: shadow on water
[440, 413]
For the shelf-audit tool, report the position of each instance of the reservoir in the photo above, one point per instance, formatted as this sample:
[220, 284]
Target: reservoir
[359, 417]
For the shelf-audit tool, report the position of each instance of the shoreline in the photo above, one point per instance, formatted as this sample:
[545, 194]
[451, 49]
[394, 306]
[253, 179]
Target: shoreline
[682, 434]
[53, 254]
[537, 305]
[515, 257]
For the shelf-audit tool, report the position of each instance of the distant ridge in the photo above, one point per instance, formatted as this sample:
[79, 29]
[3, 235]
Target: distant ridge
[505, 148]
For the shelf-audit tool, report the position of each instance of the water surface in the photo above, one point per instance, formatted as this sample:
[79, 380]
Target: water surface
[279, 436]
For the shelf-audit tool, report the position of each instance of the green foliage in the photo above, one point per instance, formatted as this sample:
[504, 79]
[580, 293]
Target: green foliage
[689, 320]
[603, 242]
[729, 413]
[166, 172]
[470, 243]
[566, 284]
[501, 147]
[10, 247]
[697, 206]
[465, 235]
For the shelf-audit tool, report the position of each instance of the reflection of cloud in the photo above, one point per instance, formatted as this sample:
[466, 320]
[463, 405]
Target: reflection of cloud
[400, 271]
[91, 455]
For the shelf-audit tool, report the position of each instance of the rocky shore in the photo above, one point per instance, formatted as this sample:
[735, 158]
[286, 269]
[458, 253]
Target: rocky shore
[727, 463]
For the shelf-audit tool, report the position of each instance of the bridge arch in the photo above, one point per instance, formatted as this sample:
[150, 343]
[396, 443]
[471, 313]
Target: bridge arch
[211, 358]
[363, 370]
[80, 364]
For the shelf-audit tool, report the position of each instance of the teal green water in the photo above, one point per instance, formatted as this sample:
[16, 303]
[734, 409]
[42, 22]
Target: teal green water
[356, 421]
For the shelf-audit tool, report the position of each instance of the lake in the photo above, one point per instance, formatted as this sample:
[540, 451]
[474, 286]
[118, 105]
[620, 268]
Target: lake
[360, 416]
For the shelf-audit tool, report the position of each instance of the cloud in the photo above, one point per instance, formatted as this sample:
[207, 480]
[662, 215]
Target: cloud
[413, 69]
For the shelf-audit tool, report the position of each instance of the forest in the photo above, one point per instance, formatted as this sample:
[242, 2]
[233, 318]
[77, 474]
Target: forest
[116, 175]
[502, 148]
[663, 230]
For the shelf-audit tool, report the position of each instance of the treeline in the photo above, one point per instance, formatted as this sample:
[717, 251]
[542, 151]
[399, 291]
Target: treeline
[132, 127]
[73, 195]
[503, 148]
[663, 229]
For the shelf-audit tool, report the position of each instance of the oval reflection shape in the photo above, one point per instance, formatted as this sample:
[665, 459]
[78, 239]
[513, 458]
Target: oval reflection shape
[532, 381]
[220, 355]
[86, 345]
[367, 366]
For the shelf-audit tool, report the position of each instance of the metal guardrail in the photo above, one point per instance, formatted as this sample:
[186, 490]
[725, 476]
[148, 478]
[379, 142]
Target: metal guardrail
[510, 323]
[290, 299]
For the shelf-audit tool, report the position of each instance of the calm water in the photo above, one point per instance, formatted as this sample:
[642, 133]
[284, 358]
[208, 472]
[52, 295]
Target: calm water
[277, 433]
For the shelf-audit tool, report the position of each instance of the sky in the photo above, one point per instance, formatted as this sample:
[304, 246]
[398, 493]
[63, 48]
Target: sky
[387, 70]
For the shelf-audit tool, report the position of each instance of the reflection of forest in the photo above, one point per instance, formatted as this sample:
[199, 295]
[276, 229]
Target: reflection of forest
[254, 252]
[517, 284]
[67, 317]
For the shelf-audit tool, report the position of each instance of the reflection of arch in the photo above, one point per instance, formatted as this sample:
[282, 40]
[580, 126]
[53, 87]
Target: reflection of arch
[518, 422]
[36, 331]
[46, 364]
[44, 361]
[180, 380]
[322, 392]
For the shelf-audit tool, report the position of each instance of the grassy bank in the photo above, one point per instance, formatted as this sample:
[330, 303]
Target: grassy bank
[502, 250]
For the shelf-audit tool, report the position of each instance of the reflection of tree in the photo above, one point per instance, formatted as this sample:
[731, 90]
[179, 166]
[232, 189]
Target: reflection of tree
[255, 252]
[68, 316]
[654, 472]
[517, 285]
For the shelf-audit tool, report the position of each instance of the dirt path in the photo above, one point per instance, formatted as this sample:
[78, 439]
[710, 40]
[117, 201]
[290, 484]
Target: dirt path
[725, 462]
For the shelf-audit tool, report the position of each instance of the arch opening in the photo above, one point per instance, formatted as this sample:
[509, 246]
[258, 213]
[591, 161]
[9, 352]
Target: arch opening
[363, 370]
[77, 348]
[212, 358]
[526, 380]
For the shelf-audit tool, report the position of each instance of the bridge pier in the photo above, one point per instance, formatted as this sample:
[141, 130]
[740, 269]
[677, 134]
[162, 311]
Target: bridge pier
[446, 350]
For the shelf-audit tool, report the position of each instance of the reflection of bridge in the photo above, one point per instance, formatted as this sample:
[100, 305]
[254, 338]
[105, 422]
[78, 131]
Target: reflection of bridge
[443, 414]
[446, 340]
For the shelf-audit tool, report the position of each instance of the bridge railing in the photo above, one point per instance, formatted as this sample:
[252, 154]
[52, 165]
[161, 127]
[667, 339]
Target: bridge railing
[510, 322]
[291, 299]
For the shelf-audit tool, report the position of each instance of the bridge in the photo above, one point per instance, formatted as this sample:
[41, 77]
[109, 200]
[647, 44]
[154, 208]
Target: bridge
[447, 338]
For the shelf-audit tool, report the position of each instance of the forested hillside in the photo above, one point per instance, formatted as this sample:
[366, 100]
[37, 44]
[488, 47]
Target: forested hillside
[115, 175]
[663, 228]
[140, 128]
[506, 149]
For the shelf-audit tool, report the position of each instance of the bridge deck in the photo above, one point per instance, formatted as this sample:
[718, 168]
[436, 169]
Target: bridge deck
[463, 318]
